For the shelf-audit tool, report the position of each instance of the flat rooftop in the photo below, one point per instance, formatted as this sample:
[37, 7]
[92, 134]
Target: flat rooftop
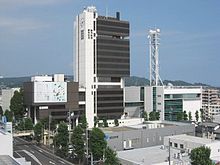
[146, 125]
[117, 129]
[193, 139]
[149, 155]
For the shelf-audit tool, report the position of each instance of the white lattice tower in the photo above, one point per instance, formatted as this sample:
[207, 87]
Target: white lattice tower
[154, 37]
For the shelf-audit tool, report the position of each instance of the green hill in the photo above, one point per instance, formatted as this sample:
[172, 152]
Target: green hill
[129, 81]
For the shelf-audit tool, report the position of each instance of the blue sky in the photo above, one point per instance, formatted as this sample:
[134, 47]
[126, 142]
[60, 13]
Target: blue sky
[36, 36]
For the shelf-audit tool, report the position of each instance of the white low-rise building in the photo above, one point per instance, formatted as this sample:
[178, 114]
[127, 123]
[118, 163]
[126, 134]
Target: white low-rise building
[171, 100]
[186, 143]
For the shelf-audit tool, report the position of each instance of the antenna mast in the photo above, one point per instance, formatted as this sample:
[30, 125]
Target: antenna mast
[154, 37]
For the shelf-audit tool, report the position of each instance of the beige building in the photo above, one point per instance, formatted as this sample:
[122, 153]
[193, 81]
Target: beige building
[210, 102]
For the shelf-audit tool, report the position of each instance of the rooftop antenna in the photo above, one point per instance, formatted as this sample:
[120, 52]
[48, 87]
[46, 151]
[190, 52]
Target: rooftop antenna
[154, 38]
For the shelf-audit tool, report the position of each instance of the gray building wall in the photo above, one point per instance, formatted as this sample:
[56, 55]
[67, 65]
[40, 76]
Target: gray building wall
[141, 138]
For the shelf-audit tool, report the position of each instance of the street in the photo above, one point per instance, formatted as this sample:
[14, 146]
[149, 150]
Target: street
[35, 154]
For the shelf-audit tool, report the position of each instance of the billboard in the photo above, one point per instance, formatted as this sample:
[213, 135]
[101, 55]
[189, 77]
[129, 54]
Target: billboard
[50, 92]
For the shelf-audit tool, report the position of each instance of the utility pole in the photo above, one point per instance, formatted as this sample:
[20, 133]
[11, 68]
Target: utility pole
[169, 151]
[69, 126]
[49, 130]
[87, 146]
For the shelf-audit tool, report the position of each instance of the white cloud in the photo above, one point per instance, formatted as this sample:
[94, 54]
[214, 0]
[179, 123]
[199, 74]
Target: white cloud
[20, 25]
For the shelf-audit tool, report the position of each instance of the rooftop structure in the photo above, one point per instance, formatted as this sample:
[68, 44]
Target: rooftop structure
[144, 135]
[156, 155]
[154, 41]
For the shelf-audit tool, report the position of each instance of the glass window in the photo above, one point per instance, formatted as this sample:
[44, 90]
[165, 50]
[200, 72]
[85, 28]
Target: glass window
[82, 34]
[175, 145]
[181, 146]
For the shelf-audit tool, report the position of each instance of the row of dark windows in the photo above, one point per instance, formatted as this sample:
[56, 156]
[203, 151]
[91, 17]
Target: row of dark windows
[113, 60]
[110, 92]
[112, 54]
[109, 79]
[112, 47]
[100, 110]
[112, 41]
[113, 51]
[109, 86]
[113, 23]
[115, 29]
[113, 104]
[114, 73]
[109, 98]
[119, 66]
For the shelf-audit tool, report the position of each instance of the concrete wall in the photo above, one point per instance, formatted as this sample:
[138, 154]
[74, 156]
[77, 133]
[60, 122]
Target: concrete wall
[132, 94]
[192, 106]
[6, 144]
[145, 137]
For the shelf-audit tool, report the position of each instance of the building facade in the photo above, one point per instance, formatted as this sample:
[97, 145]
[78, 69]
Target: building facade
[6, 95]
[144, 135]
[101, 60]
[134, 101]
[46, 96]
[210, 102]
[171, 100]
[187, 143]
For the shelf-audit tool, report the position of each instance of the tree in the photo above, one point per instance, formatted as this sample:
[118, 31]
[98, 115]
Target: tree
[8, 115]
[201, 156]
[190, 116]
[179, 116]
[97, 143]
[197, 116]
[202, 116]
[17, 104]
[154, 116]
[145, 116]
[78, 142]
[45, 122]
[25, 124]
[28, 124]
[116, 122]
[111, 157]
[1, 111]
[83, 122]
[61, 140]
[185, 116]
[38, 133]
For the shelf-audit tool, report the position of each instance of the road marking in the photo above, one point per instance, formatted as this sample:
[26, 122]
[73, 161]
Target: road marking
[40, 151]
[32, 151]
[61, 162]
[32, 156]
[51, 162]
[17, 153]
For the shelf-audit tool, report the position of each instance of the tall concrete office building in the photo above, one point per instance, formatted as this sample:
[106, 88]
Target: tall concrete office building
[101, 61]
